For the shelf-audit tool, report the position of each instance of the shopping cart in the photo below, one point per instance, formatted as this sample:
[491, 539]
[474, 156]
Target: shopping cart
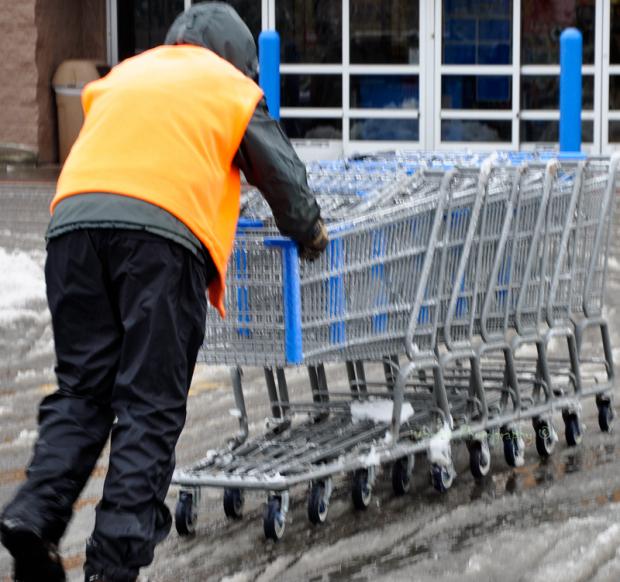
[451, 268]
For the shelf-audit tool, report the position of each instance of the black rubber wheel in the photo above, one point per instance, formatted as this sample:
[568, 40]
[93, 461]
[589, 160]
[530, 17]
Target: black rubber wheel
[512, 449]
[441, 478]
[479, 460]
[572, 430]
[605, 416]
[185, 515]
[545, 442]
[401, 476]
[233, 503]
[317, 505]
[274, 521]
[361, 489]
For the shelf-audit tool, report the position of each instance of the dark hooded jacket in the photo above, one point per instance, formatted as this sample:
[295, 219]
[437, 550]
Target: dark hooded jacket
[265, 156]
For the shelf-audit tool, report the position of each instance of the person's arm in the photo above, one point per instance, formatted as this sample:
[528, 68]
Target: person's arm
[269, 162]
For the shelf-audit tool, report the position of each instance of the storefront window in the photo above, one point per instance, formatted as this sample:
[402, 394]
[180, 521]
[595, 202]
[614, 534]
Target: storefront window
[310, 30]
[477, 32]
[476, 92]
[543, 92]
[475, 130]
[548, 131]
[385, 129]
[384, 32]
[305, 128]
[614, 92]
[542, 22]
[311, 90]
[385, 91]
[143, 24]
[614, 48]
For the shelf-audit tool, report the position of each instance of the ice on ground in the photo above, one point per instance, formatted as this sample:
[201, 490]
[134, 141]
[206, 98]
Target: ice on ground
[372, 459]
[26, 375]
[379, 410]
[439, 447]
[22, 282]
[26, 437]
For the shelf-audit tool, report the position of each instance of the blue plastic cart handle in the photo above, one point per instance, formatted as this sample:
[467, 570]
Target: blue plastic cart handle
[291, 291]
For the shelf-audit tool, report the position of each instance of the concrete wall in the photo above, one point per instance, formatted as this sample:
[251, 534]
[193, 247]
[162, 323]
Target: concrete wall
[35, 37]
[19, 113]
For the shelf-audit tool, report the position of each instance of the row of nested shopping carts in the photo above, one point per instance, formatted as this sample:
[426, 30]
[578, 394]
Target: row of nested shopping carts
[468, 282]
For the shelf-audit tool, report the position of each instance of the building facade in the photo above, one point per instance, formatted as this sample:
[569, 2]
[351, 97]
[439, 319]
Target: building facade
[359, 75]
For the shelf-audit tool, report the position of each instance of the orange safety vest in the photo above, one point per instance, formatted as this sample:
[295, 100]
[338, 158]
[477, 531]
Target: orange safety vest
[164, 127]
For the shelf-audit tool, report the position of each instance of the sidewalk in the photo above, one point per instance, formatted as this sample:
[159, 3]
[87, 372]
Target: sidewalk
[21, 174]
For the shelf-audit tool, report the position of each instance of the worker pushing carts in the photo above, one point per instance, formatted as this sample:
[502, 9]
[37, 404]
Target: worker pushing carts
[471, 281]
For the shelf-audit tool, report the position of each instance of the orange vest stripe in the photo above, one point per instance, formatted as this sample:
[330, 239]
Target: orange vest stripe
[168, 143]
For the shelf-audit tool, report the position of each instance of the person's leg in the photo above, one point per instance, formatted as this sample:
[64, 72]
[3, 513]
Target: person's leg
[160, 289]
[75, 421]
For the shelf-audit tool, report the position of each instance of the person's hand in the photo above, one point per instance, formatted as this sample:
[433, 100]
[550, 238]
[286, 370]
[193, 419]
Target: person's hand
[311, 250]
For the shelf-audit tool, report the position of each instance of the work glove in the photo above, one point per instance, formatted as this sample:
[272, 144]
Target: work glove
[312, 249]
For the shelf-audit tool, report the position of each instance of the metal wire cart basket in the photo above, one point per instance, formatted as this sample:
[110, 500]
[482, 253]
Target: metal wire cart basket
[452, 273]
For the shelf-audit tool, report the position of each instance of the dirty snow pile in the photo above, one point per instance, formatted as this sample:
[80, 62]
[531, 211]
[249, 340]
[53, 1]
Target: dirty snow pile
[21, 283]
[379, 410]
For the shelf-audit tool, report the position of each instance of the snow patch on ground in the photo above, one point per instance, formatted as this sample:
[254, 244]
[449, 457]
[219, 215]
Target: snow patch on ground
[22, 283]
[26, 375]
[379, 411]
[439, 451]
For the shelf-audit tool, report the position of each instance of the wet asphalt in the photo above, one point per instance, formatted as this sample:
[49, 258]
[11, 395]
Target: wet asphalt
[557, 519]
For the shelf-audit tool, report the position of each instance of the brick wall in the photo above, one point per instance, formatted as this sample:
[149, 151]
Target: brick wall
[35, 37]
[19, 115]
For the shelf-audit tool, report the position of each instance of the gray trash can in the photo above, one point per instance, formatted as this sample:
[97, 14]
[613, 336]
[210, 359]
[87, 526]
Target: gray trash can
[69, 80]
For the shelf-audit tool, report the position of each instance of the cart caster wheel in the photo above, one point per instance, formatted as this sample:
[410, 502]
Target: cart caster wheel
[362, 489]
[401, 475]
[479, 459]
[572, 429]
[514, 452]
[318, 503]
[274, 520]
[441, 477]
[233, 503]
[545, 441]
[605, 416]
[185, 514]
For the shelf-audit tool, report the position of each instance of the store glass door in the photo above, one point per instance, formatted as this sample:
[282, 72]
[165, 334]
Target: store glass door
[138, 25]
[142, 24]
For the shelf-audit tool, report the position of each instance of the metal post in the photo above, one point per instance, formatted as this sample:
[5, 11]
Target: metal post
[570, 90]
[269, 69]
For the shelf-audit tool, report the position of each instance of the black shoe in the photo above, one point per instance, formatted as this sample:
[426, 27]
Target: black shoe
[35, 559]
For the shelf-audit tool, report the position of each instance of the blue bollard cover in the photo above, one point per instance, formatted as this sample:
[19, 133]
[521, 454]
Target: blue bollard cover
[269, 69]
[570, 90]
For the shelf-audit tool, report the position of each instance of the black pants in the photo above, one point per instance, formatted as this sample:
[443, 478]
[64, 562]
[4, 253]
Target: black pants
[128, 312]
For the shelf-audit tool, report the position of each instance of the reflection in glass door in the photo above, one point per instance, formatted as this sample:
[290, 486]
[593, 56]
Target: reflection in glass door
[541, 26]
[364, 75]
[475, 86]
[611, 76]
[142, 24]
[350, 74]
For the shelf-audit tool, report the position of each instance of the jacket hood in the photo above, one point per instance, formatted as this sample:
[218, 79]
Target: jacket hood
[217, 27]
